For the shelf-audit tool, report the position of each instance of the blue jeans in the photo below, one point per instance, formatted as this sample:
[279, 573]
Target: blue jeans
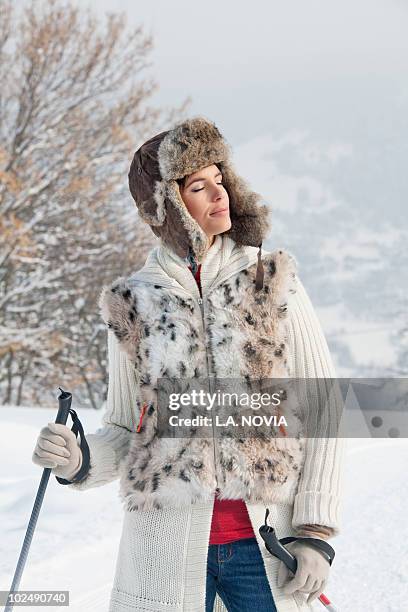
[236, 572]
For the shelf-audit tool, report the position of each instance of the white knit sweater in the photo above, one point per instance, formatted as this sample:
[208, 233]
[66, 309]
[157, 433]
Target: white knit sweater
[162, 557]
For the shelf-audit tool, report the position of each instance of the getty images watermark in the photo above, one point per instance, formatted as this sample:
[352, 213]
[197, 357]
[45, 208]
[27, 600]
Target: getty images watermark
[209, 401]
[307, 407]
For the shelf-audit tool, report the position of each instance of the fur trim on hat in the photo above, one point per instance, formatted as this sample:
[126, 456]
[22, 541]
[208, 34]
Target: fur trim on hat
[191, 145]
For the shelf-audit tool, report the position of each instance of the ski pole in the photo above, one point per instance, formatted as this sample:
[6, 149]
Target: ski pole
[277, 549]
[64, 401]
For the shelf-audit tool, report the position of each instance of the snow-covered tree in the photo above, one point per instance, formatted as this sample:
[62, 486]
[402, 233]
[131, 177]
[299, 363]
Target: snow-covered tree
[73, 108]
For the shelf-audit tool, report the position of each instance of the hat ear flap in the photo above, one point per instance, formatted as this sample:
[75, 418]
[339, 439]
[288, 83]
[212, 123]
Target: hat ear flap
[153, 210]
[249, 219]
[169, 219]
[181, 230]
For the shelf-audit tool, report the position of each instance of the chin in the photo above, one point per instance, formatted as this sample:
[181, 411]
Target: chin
[219, 226]
[222, 223]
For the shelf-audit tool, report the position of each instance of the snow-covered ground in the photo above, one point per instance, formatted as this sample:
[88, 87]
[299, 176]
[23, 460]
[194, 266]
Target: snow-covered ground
[77, 536]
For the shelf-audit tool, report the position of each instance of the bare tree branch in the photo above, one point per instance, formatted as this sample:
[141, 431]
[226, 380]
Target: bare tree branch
[74, 105]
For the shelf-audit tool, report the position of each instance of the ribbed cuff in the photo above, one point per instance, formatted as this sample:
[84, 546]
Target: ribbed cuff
[315, 531]
[317, 508]
[103, 466]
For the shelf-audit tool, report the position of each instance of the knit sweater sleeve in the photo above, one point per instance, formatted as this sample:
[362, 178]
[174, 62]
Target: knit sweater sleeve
[317, 501]
[109, 444]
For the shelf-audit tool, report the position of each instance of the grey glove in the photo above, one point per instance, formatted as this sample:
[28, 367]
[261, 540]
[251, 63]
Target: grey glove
[312, 571]
[58, 448]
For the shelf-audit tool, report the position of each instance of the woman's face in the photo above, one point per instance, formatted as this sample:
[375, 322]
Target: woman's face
[203, 195]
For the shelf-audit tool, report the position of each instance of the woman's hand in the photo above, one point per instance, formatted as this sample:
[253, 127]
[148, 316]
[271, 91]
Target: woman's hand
[312, 571]
[57, 448]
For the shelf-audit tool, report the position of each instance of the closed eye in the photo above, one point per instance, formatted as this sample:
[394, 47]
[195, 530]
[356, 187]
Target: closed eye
[201, 188]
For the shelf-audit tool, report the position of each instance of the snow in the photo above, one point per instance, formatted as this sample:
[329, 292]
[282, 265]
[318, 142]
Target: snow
[77, 534]
[76, 540]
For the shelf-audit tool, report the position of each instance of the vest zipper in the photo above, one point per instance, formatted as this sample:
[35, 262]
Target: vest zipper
[201, 303]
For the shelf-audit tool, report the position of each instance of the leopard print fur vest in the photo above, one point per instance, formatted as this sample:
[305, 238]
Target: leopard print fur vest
[242, 334]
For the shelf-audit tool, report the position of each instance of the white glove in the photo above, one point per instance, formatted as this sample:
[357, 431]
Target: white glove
[58, 448]
[312, 571]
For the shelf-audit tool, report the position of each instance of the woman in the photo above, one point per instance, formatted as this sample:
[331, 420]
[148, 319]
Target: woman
[207, 303]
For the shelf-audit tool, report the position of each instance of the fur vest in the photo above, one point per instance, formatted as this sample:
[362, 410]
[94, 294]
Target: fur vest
[234, 331]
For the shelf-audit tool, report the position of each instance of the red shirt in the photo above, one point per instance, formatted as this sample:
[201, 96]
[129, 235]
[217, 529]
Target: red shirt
[230, 519]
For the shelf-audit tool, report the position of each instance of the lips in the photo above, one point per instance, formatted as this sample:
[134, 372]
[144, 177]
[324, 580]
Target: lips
[219, 211]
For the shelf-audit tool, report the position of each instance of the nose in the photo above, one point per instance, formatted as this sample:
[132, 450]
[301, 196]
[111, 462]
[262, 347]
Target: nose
[218, 192]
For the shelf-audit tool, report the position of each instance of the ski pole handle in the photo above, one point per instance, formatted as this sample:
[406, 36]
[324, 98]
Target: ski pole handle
[277, 549]
[64, 404]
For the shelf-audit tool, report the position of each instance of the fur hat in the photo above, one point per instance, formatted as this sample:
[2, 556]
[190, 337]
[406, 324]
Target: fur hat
[173, 154]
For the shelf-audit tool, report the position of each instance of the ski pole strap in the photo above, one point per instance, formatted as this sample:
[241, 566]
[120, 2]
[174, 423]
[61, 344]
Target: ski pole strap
[77, 427]
[321, 545]
[277, 548]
